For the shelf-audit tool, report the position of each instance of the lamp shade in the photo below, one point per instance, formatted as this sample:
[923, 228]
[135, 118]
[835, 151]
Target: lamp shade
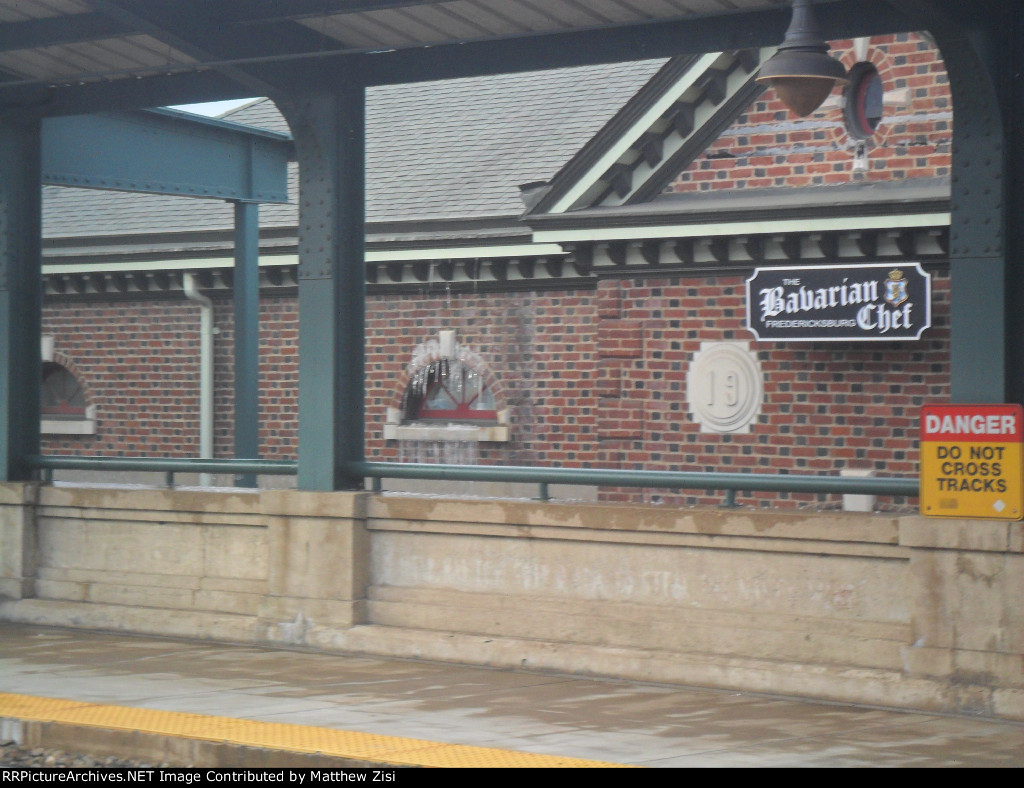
[801, 71]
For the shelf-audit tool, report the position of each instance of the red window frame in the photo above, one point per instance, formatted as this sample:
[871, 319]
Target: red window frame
[442, 376]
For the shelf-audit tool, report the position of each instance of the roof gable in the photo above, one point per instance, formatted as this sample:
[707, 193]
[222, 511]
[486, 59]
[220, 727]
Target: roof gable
[681, 110]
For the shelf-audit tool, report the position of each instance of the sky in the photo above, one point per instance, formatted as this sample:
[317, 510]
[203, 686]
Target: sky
[212, 108]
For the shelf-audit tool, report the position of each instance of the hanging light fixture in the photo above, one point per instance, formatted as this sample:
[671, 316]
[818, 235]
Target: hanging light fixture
[801, 71]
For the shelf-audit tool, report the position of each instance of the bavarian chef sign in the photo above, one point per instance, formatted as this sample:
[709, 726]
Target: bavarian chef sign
[828, 303]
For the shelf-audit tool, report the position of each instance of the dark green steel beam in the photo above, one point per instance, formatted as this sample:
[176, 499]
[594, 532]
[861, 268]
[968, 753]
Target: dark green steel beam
[247, 358]
[329, 130]
[166, 152]
[980, 45]
[43, 99]
[238, 63]
[188, 27]
[659, 39]
[20, 297]
[58, 30]
[1011, 68]
[251, 12]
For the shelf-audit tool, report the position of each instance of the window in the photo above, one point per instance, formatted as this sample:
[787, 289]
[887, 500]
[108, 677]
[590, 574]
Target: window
[864, 101]
[448, 391]
[447, 398]
[61, 396]
[62, 404]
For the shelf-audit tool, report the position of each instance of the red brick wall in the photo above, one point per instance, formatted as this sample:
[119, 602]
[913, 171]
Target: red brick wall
[590, 378]
[538, 354]
[768, 146]
[826, 407]
[279, 378]
[139, 367]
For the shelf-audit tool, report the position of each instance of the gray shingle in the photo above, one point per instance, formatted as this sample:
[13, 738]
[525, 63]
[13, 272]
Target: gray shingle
[435, 150]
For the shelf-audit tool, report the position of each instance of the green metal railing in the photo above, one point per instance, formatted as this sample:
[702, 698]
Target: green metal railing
[168, 466]
[730, 483]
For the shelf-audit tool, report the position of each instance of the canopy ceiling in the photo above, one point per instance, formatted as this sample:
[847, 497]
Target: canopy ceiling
[72, 56]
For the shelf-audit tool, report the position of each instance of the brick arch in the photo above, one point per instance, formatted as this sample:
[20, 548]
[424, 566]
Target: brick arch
[880, 56]
[469, 358]
[62, 359]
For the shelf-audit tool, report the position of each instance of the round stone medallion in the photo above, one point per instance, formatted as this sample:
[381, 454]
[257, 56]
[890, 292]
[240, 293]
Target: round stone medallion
[725, 387]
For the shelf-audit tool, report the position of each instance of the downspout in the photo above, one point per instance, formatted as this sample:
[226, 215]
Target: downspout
[205, 372]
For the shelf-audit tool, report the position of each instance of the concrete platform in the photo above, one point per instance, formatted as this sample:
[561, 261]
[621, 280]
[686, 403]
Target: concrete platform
[123, 694]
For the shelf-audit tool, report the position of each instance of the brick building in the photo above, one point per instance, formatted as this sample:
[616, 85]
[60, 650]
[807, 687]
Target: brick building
[556, 276]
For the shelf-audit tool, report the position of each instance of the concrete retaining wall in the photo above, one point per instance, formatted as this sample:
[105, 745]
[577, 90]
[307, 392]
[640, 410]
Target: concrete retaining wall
[890, 610]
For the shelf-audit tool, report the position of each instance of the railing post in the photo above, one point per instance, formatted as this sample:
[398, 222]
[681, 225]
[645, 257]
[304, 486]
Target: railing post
[730, 500]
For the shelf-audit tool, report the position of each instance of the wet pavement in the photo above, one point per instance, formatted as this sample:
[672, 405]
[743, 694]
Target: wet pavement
[628, 723]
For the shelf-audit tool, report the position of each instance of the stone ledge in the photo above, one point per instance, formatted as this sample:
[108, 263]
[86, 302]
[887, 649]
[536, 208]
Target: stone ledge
[991, 536]
[872, 530]
[195, 624]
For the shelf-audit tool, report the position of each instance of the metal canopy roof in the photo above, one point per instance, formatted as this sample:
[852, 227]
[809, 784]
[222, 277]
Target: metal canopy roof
[72, 56]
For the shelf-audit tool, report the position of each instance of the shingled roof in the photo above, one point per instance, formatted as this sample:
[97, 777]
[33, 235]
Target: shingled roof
[436, 151]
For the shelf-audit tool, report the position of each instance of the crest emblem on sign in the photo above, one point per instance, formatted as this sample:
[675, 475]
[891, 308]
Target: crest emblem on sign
[895, 288]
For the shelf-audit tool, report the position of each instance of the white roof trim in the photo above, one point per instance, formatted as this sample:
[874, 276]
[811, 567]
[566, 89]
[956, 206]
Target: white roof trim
[163, 265]
[464, 252]
[382, 256]
[585, 182]
[744, 228]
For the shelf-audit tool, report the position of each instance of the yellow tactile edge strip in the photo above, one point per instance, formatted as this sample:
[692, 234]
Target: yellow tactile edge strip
[280, 736]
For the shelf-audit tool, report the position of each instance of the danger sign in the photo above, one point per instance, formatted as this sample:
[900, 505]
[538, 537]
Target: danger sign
[971, 461]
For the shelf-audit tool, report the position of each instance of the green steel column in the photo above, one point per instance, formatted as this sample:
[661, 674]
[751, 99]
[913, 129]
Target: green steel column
[247, 337]
[1011, 68]
[977, 253]
[984, 308]
[329, 134]
[20, 295]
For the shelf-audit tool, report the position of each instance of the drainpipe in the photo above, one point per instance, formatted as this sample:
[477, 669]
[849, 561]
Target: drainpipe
[205, 372]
